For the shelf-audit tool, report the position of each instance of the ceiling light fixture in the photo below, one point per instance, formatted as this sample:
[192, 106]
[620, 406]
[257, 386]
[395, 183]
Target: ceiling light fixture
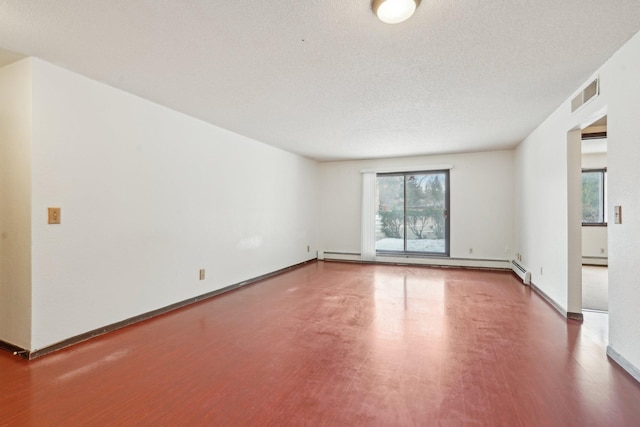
[394, 11]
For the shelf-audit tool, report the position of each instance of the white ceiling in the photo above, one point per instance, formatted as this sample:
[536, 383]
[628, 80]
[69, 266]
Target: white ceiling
[326, 79]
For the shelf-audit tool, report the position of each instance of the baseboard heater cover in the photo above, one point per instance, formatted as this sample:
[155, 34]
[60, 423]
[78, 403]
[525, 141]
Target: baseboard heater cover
[521, 272]
[493, 264]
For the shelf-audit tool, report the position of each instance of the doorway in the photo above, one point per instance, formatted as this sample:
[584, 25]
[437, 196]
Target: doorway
[595, 293]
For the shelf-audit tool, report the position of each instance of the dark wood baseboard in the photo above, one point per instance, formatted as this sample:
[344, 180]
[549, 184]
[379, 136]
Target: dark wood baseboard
[18, 351]
[575, 316]
[566, 314]
[26, 354]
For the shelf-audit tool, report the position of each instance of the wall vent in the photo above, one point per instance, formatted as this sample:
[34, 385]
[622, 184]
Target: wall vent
[521, 272]
[588, 93]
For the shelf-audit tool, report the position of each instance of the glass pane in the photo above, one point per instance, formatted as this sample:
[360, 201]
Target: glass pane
[604, 204]
[425, 214]
[390, 214]
[592, 193]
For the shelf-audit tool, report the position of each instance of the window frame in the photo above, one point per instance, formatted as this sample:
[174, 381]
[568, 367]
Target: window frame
[447, 215]
[603, 197]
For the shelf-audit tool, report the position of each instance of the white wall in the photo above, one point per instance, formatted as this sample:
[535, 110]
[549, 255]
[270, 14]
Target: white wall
[542, 208]
[594, 161]
[15, 203]
[623, 87]
[594, 238]
[481, 202]
[540, 205]
[148, 197]
[594, 243]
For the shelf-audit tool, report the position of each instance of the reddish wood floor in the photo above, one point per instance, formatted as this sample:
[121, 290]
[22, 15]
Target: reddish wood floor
[335, 344]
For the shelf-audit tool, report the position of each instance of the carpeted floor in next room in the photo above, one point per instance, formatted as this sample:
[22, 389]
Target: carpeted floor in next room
[595, 288]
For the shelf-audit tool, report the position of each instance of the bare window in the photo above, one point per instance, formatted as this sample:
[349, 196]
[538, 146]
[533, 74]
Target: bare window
[594, 193]
[413, 213]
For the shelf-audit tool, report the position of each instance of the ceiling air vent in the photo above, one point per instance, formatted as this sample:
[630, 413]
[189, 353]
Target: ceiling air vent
[590, 92]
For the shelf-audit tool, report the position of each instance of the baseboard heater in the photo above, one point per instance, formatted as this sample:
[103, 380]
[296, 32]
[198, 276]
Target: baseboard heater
[425, 261]
[521, 272]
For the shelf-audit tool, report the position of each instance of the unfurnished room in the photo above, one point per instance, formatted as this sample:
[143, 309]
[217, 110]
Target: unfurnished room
[336, 213]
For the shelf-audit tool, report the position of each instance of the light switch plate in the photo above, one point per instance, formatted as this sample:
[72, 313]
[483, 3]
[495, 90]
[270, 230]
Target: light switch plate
[54, 215]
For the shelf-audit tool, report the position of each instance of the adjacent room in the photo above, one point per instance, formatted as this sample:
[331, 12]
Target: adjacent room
[595, 289]
[319, 213]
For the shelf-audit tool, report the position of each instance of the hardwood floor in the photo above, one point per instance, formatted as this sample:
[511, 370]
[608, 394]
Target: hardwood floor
[335, 344]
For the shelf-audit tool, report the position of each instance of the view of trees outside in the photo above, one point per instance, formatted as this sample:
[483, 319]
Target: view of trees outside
[592, 197]
[390, 198]
[420, 219]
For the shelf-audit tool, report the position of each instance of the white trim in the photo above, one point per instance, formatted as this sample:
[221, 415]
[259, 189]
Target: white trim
[445, 262]
[624, 363]
[418, 168]
[501, 264]
[588, 260]
[342, 256]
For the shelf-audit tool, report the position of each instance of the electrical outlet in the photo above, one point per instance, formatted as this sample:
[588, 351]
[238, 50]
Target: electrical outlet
[202, 274]
[601, 250]
[541, 271]
[470, 250]
[54, 215]
[308, 248]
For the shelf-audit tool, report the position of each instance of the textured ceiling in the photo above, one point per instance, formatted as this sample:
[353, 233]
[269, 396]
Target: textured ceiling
[326, 79]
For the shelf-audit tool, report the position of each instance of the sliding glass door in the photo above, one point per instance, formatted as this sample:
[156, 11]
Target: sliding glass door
[413, 213]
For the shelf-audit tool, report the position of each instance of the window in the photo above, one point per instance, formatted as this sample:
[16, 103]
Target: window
[412, 214]
[594, 197]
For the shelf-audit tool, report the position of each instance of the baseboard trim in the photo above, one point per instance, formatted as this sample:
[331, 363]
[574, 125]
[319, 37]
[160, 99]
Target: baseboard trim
[397, 264]
[16, 350]
[595, 261]
[474, 263]
[623, 363]
[339, 256]
[26, 354]
[564, 313]
[575, 316]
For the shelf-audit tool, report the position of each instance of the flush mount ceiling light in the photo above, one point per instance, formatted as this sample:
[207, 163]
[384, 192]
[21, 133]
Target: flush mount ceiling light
[394, 11]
